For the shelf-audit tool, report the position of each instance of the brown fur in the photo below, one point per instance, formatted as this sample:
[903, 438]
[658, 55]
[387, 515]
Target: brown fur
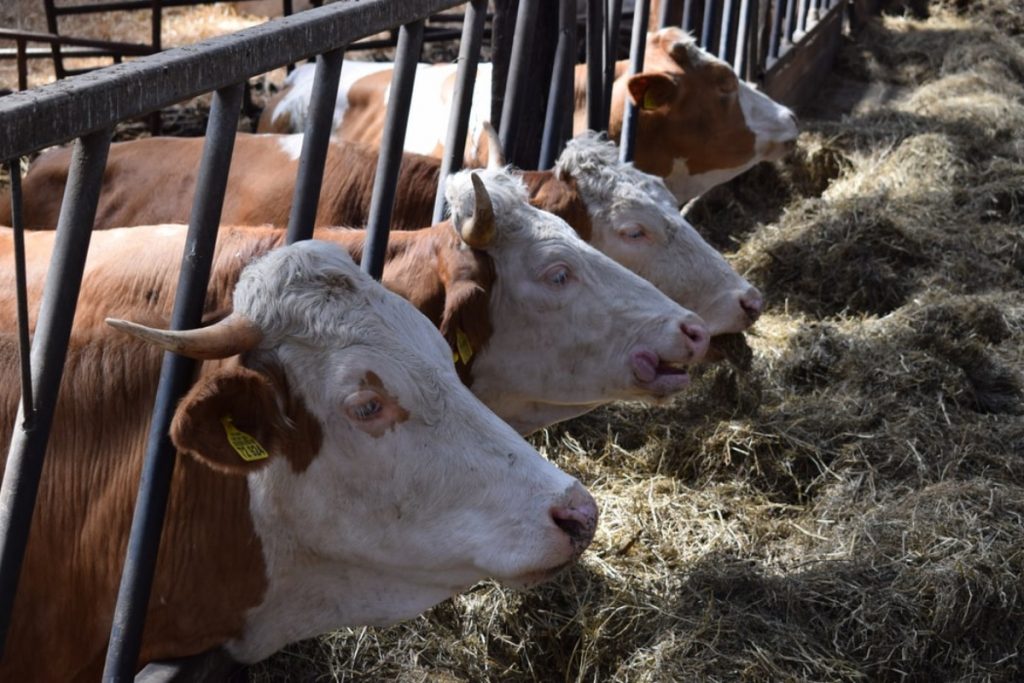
[66, 595]
[694, 118]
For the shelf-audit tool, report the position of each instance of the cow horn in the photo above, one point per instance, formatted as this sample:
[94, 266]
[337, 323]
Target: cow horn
[478, 230]
[495, 154]
[231, 336]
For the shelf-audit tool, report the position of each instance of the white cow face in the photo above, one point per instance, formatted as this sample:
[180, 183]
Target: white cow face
[572, 328]
[635, 222]
[408, 489]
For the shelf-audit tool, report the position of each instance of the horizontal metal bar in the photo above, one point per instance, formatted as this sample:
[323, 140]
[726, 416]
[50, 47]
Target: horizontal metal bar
[120, 5]
[47, 53]
[57, 112]
[51, 38]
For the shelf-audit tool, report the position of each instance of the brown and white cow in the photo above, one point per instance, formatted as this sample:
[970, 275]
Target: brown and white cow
[332, 471]
[544, 326]
[623, 212]
[699, 126]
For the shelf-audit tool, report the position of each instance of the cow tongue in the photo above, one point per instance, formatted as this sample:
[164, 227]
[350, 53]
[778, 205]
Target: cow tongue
[645, 366]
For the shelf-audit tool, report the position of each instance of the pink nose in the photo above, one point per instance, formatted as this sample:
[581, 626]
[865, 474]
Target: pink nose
[752, 303]
[577, 517]
[697, 337]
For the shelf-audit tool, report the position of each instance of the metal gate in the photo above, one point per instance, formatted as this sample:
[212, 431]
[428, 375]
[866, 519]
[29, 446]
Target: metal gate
[759, 38]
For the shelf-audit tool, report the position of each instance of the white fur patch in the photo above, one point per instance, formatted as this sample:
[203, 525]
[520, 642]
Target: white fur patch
[290, 144]
[766, 118]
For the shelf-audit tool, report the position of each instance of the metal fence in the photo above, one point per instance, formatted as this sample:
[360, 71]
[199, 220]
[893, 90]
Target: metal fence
[759, 38]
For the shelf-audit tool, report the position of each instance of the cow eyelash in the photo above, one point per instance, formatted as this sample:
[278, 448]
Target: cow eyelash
[558, 276]
[367, 410]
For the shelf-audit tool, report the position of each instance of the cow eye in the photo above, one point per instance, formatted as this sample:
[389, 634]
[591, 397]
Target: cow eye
[633, 234]
[363, 406]
[558, 275]
[365, 411]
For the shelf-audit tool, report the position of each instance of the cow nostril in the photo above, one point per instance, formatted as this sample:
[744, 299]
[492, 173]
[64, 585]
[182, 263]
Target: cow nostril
[574, 527]
[578, 519]
[697, 334]
[752, 304]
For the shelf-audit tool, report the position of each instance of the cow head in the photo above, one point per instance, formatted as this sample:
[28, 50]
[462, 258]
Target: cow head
[572, 329]
[634, 220]
[379, 484]
[700, 125]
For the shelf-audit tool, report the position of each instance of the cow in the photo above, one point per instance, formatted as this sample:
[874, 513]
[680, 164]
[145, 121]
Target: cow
[627, 214]
[543, 326]
[332, 470]
[699, 126]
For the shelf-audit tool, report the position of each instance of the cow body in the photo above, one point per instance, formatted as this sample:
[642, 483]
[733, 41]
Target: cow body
[373, 453]
[545, 327]
[623, 212]
[699, 124]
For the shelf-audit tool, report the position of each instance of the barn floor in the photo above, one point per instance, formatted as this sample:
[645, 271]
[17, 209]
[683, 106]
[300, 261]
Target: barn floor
[844, 500]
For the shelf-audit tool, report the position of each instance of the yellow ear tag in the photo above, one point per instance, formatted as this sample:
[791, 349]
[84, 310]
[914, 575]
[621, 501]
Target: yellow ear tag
[649, 101]
[248, 448]
[465, 348]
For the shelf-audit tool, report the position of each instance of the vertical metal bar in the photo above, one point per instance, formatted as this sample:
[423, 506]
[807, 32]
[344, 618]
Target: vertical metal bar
[22, 65]
[51, 26]
[175, 377]
[775, 41]
[317, 137]
[518, 73]
[801, 17]
[595, 69]
[665, 12]
[53, 331]
[723, 34]
[503, 27]
[612, 21]
[743, 40]
[707, 30]
[788, 22]
[562, 92]
[410, 41]
[156, 34]
[21, 292]
[641, 14]
[462, 99]
[687, 22]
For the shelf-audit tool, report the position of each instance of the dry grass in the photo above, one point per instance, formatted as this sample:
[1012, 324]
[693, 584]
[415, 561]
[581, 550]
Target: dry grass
[846, 504]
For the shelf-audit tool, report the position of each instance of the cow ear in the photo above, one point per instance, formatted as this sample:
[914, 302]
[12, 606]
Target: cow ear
[651, 90]
[466, 322]
[228, 421]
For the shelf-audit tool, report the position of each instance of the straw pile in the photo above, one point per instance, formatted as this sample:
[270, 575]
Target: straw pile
[844, 501]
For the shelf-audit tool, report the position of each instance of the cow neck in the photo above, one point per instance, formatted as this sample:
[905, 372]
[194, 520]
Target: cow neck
[210, 569]
[212, 575]
[562, 198]
[349, 174]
